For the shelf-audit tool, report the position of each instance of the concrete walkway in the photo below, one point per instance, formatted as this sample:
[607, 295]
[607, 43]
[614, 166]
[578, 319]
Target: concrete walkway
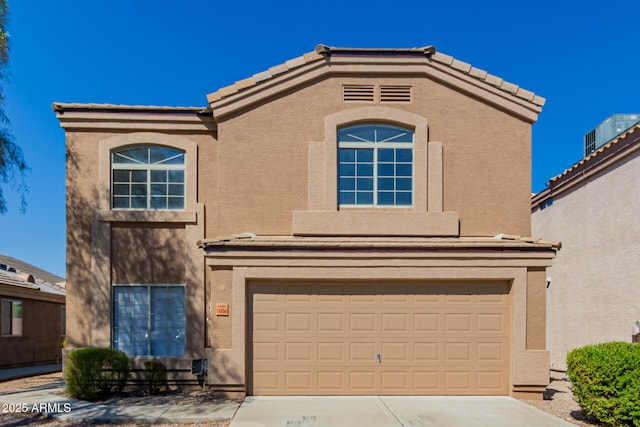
[391, 411]
[298, 411]
[50, 401]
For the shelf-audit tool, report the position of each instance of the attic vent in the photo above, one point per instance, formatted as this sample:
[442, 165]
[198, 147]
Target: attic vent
[357, 93]
[395, 93]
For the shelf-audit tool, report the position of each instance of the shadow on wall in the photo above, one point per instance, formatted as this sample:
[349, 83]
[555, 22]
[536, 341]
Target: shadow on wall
[125, 253]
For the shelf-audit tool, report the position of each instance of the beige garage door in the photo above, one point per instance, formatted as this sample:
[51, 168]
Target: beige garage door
[378, 338]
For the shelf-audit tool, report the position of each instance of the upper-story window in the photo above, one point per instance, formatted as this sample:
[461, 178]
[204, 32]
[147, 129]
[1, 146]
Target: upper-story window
[148, 177]
[375, 165]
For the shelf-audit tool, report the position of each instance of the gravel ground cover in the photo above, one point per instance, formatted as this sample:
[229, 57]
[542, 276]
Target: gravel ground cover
[558, 402]
[172, 397]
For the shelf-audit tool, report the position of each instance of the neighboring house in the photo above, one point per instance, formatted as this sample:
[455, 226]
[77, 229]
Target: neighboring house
[32, 315]
[592, 208]
[323, 227]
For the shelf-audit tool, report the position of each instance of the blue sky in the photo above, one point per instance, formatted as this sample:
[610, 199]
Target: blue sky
[580, 55]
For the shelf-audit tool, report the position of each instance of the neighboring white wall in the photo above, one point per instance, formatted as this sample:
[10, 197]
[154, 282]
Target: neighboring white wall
[594, 295]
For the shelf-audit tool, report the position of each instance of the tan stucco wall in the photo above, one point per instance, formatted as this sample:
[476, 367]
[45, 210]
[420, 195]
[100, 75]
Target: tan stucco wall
[147, 253]
[105, 247]
[529, 360]
[263, 176]
[593, 292]
[254, 174]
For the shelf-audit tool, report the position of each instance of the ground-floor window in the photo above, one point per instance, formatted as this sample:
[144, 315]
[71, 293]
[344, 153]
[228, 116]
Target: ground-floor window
[149, 320]
[11, 319]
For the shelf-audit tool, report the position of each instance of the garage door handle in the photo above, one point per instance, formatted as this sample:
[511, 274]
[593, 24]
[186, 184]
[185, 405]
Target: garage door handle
[379, 359]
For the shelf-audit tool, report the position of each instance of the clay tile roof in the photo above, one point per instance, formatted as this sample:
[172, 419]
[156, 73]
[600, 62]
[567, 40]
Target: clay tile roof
[601, 152]
[61, 106]
[501, 241]
[322, 51]
[29, 269]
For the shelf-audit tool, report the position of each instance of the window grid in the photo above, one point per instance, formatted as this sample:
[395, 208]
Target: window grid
[150, 177]
[384, 177]
[149, 320]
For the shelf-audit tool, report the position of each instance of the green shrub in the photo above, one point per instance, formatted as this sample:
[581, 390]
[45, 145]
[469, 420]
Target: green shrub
[606, 381]
[155, 374]
[91, 373]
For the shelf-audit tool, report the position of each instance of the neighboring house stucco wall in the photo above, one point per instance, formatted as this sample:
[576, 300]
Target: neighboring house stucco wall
[41, 339]
[593, 294]
[32, 314]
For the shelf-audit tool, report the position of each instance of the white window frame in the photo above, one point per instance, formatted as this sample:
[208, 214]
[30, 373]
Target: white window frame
[149, 313]
[16, 322]
[375, 146]
[63, 321]
[148, 168]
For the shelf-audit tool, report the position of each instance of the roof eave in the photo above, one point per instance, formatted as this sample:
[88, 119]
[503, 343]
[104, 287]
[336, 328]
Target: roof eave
[418, 61]
[88, 117]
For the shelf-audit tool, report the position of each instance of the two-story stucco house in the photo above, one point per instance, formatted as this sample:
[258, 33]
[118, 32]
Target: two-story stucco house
[345, 223]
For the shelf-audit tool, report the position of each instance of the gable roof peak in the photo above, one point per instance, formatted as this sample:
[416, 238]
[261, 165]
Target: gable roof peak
[421, 60]
[328, 50]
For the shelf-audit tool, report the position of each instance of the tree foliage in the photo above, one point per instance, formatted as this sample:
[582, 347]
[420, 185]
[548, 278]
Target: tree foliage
[12, 164]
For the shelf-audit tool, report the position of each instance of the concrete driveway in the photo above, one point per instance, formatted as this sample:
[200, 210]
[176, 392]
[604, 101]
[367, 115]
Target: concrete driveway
[390, 411]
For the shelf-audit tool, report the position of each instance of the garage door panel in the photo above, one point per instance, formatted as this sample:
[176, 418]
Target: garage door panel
[298, 351]
[426, 351]
[331, 352]
[362, 352]
[299, 381]
[395, 322]
[490, 351]
[457, 322]
[427, 382]
[459, 381]
[266, 351]
[364, 382]
[332, 381]
[267, 322]
[395, 352]
[331, 322]
[298, 322]
[363, 322]
[426, 322]
[396, 382]
[446, 338]
[491, 322]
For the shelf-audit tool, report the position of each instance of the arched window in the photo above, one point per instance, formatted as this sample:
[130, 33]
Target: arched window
[148, 177]
[375, 165]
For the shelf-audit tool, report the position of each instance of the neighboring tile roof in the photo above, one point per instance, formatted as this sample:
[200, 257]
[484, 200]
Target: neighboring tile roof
[428, 51]
[500, 241]
[609, 153]
[25, 267]
[605, 149]
[19, 280]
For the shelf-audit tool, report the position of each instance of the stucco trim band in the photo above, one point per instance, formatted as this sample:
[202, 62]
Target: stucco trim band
[371, 223]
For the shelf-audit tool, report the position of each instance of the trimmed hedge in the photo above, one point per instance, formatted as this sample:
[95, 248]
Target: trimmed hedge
[92, 373]
[155, 374]
[606, 381]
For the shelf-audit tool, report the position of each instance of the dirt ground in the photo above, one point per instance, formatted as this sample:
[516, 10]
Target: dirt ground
[558, 402]
[172, 397]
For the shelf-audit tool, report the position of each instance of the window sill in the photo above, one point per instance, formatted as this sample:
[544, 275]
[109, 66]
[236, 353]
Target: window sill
[375, 223]
[147, 216]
